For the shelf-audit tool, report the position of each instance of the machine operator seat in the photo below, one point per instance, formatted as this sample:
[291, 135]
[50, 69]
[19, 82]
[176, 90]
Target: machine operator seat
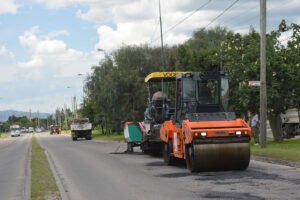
[160, 109]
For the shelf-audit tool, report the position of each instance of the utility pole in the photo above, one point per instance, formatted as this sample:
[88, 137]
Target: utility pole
[74, 107]
[66, 117]
[263, 88]
[162, 56]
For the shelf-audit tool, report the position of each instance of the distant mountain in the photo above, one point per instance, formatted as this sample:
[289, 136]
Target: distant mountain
[6, 113]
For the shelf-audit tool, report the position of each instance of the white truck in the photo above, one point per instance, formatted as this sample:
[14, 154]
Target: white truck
[81, 128]
[290, 123]
[15, 130]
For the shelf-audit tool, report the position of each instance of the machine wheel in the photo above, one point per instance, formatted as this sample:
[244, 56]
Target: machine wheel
[287, 131]
[129, 147]
[74, 138]
[146, 151]
[190, 157]
[167, 149]
[88, 137]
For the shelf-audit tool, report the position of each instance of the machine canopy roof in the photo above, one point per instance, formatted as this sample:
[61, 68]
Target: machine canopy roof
[158, 76]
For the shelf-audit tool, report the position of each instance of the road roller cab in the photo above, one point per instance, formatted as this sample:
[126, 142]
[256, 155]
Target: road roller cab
[202, 131]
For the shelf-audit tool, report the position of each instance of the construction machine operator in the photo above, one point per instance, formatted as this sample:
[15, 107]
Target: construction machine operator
[158, 95]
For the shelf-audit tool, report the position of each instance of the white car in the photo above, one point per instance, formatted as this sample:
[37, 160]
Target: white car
[15, 133]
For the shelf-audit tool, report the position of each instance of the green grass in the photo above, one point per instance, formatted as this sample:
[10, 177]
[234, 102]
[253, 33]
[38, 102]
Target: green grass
[97, 134]
[3, 135]
[43, 185]
[288, 150]
[68, 132]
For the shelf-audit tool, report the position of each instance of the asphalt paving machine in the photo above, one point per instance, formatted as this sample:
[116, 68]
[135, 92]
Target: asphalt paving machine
[158, 110]
[202, 131]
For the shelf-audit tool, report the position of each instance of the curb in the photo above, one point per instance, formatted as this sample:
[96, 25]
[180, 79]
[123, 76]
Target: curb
[275, 161]
[27, 188]
[62, 186]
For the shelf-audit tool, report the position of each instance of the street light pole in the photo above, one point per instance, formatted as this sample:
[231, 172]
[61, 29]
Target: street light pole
[81, 75]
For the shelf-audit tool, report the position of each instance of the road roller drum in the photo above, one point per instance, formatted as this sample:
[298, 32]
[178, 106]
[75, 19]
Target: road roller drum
[214, 157]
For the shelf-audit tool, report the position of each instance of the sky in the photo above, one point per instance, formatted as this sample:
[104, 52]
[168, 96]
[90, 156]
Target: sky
[45, 44]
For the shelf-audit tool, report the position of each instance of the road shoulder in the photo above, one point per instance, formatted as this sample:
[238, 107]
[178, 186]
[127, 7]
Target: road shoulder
[275, 161]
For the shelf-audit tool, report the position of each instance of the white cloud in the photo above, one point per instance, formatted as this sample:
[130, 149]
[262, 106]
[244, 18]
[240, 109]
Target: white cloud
[41, 79]
[133, 21]
[92, 3]
[136, 22]
[111, 39]
[96, 14]
[8, 6]
[48, 53]
[5, 52]
[8, 73]
[36, 61]
[54, 34]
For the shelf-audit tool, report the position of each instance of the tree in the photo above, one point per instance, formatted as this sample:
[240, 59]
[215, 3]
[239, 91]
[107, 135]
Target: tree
[242, 64]
[203, 51]
[115, 92]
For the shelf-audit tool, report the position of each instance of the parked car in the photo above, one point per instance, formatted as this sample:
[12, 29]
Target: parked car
[30, 130]
[24, 130]
[38, 130]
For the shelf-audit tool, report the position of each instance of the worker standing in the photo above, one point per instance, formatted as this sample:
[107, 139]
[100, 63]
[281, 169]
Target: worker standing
[255, 126]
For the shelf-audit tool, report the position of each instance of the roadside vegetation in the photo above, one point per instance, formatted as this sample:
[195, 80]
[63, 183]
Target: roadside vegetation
[3, 135]
[67, 132]
[43, 185]
[98, 135]
[287, 150]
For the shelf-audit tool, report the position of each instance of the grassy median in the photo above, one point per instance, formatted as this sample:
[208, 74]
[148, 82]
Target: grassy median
[97, 134]
[43, 185]
[287, 150]
[67, 132]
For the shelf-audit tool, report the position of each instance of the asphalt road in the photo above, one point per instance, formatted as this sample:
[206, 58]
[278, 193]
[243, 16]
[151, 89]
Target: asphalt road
[14, 168]
[100, 170]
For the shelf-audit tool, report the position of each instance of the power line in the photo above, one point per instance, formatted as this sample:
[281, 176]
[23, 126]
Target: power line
[222, 13]
[241, 13]
[153, 34]
[252, 18]
[188, 16]
[184, 19]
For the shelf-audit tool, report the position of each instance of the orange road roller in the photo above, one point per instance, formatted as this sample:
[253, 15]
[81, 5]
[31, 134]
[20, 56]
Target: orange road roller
[202, 131]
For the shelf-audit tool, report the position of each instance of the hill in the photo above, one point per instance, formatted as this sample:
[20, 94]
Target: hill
[6, 113]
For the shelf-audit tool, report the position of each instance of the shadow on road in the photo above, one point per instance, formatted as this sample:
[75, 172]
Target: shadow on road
[127, 153]
[231, 195]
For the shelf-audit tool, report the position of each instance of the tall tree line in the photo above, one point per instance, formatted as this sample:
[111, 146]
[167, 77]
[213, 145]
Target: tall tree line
[115, 90]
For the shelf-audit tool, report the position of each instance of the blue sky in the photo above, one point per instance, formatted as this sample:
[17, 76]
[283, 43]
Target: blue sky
[44, 44]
